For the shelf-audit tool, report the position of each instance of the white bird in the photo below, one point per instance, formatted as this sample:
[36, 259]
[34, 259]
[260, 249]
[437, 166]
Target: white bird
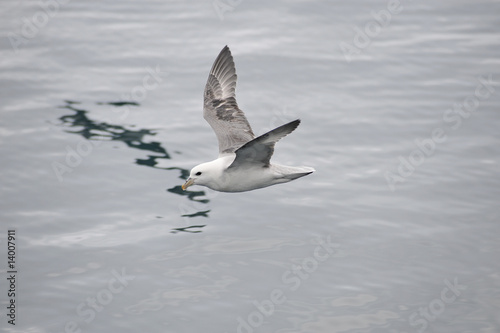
[244, 160]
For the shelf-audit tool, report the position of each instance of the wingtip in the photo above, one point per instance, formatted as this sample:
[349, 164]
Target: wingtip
[294, 123]
[225, 49]
[223, 60]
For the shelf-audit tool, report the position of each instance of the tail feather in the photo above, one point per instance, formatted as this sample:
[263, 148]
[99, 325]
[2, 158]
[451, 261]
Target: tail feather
[293, 176]
[291, 173]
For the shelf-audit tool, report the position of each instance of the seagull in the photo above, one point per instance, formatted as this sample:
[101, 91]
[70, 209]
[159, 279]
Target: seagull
[243, 163]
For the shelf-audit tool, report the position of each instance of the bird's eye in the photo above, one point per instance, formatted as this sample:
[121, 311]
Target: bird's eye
[198, 173]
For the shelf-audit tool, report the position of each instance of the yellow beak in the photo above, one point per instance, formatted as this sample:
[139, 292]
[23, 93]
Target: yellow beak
[189, 182]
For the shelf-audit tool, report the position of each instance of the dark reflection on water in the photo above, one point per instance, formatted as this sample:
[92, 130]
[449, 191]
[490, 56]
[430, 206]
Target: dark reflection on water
[81, 124]
[203, 213]
[191, 229]
[119, 103]
[93, 130]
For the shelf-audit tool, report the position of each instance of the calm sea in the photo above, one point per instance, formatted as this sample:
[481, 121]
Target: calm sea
[101, 121]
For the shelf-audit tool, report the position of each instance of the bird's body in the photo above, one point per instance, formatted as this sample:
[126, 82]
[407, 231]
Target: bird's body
[226, 179]
[244, 160]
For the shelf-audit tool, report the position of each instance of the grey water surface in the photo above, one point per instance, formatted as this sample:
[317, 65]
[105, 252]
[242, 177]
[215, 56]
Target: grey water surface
[398, 230]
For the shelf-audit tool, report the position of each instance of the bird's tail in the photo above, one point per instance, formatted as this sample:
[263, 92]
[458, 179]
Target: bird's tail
[292, 173]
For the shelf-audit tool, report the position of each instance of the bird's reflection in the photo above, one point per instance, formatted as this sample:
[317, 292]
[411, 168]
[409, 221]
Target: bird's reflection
[78, 122]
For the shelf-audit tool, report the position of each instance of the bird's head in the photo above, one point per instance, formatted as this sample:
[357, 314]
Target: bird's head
[199, 175]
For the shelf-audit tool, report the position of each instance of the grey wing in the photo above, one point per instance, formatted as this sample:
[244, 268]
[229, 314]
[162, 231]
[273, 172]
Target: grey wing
[259, 150]
[220, 109]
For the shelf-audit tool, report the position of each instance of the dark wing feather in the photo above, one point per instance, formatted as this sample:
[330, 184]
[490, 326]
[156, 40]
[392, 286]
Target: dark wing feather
[259, 150]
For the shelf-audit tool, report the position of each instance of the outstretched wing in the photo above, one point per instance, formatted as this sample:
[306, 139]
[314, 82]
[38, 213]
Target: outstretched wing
[259, 150]
[220, 109]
